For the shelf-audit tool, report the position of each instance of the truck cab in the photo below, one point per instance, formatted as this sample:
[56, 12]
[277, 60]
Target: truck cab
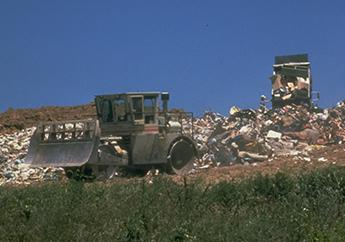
[138, 108]
[128, 113]
[291, 80]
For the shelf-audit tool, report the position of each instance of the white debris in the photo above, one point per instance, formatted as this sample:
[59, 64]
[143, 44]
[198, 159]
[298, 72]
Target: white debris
[13, 168]
[322, 159]
[274, 135]
[307, 159]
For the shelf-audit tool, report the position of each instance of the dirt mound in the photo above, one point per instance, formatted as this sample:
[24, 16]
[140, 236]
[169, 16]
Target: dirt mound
[18, 119]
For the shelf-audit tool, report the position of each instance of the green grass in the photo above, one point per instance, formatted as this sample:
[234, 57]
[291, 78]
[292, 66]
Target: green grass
[309, 207]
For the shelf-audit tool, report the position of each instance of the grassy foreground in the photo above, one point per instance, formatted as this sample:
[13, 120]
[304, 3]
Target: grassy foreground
[310, 207]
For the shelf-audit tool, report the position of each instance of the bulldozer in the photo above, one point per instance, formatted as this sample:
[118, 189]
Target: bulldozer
[132, 130]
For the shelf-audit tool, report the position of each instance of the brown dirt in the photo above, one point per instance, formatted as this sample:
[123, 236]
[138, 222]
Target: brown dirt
[334, 155]
[17, 119]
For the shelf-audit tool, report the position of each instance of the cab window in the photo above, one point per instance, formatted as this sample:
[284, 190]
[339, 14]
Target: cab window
[137, 108]
[107, 114]
[119, 110]
[149, 109]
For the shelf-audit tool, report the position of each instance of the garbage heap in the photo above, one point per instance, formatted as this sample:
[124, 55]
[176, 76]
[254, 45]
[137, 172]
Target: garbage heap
[244, 137]
[13, 149]
[250, 136]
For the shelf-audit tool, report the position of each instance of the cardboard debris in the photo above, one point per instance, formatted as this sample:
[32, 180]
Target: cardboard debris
[274, 135]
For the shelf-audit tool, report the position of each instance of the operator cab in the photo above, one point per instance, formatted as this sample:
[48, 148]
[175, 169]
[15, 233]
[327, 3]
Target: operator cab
[135, 108]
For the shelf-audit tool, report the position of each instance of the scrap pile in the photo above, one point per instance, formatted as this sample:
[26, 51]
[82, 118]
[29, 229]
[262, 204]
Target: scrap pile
[244, 137]
[13, 149]
[249, 136]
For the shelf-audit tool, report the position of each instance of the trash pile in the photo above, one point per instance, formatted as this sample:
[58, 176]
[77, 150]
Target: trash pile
[249, 136]
[13, 169]
[244, 137]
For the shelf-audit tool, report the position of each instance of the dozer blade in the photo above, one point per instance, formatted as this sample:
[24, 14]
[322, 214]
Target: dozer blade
[64, 144]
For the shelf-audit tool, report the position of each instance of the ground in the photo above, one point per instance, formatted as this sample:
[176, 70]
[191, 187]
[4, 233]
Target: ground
[333, 156]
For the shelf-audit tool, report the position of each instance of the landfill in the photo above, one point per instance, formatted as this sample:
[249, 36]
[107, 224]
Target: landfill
[249, 136]
[244, 136]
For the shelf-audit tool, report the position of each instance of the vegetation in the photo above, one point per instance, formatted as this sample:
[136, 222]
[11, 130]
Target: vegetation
[309, 207]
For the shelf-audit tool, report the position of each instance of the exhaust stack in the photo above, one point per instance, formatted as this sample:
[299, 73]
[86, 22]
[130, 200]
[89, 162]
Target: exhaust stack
[165, 99]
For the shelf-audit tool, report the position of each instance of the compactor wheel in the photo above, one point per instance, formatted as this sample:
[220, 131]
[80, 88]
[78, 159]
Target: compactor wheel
[90, 173]
[181, 157]
[79, 173]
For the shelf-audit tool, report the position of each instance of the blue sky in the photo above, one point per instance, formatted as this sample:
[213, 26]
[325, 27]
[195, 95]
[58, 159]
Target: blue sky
[207, 54]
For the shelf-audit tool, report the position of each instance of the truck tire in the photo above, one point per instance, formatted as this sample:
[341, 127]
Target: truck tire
[181, 157]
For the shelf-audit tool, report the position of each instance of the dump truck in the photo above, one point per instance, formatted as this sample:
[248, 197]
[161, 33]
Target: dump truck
[292, 81]
[131, 130]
